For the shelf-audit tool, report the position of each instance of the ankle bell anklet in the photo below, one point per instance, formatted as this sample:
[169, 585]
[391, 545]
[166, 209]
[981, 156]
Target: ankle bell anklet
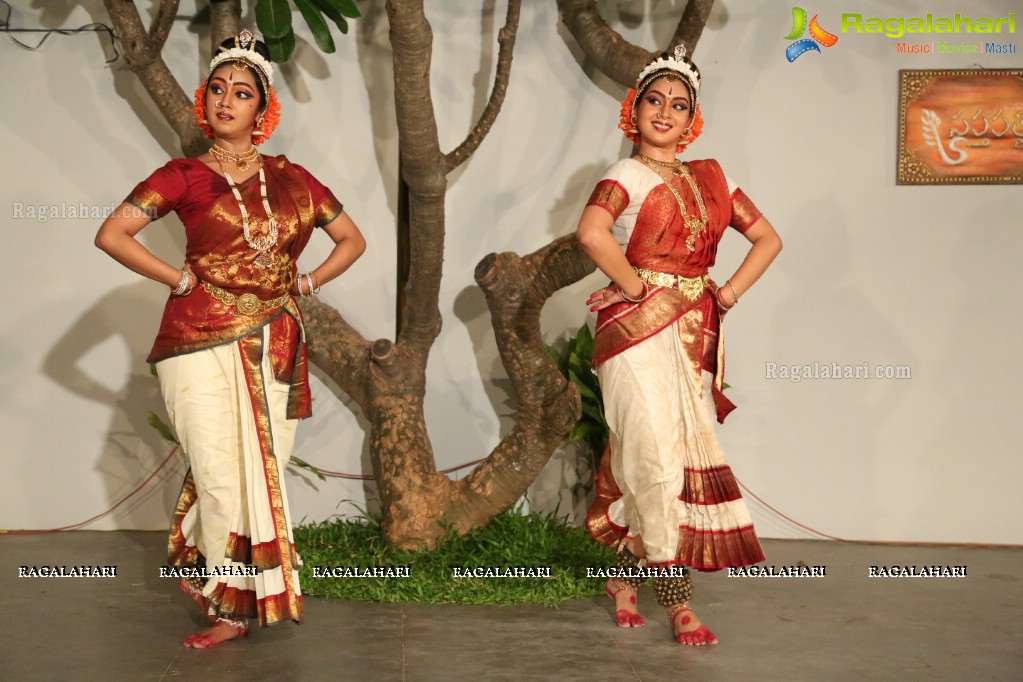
[673, 591]
[629, 564]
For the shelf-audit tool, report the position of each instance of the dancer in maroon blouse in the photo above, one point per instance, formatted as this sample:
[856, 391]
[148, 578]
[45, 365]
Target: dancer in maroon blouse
[666, 498]
[230, 352]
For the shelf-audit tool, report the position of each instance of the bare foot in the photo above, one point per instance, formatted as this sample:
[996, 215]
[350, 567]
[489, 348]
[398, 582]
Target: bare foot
[221, 631]
[688, 629]
[626, 613]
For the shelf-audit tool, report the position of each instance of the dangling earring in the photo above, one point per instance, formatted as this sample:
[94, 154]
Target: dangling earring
[205, 122]
[633, 121]
[682, 142]
[257, 131]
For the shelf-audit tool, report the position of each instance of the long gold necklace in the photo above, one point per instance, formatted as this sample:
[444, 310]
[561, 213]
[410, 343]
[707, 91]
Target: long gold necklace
[240, 160]
[262, 245]
[694, 225]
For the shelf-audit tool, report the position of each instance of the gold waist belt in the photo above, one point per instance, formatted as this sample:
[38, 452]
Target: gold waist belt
[246, 304]
[691, 287]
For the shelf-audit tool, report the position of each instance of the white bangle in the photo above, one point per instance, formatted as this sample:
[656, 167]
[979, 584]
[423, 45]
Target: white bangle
[182, 284]
[313, 287]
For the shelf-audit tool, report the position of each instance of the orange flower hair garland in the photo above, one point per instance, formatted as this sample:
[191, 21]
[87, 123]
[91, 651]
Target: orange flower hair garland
[271, 117]
[626, 125]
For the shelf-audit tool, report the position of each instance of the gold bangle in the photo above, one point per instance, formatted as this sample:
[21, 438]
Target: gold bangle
[734, 295]
[721, 306]
[625, 297]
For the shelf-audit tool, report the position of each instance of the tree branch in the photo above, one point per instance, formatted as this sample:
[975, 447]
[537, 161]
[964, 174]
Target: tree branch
[506, 39]
[615, 57]
[548, 405]
[690, 26]
[144, 59]
[161, 26]
[225, 21]
[338, 349]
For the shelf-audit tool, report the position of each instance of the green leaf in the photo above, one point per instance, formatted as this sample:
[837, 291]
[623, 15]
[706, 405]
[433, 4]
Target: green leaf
[584, 344]
[346, 7]
[273, 19]
[592, 408]
[321, 32]
[555, 355]
[302, 464]
[584, 390]
[328, 8]
[162, 428]
[281, 48]
[575, 364]
[580, 431]
[586, 376]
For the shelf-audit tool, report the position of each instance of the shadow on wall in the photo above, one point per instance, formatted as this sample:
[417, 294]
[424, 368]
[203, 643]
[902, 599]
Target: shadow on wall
[318, 429]
[131, 449]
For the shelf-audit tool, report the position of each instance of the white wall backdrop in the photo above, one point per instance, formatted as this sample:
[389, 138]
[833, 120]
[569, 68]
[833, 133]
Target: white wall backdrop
[871, 272]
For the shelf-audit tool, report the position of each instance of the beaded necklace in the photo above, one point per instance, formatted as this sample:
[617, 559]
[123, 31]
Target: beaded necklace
[263, 245]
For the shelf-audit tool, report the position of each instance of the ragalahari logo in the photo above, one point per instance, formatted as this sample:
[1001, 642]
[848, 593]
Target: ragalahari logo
[817, 35]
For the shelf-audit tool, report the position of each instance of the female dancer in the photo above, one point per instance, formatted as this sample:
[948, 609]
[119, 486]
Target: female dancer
[231, 352]
[666, 497]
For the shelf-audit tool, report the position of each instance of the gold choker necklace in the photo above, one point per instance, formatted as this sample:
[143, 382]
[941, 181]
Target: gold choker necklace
[674, 163]
[241, 161]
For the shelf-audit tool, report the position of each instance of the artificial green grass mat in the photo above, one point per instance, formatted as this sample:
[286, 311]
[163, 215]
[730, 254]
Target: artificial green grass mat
[511, 542]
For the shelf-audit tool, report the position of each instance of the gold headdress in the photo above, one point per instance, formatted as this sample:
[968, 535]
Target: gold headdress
[244, 51]
[677, 62]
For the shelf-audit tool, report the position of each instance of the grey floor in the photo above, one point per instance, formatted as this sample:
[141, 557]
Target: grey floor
[845, 626]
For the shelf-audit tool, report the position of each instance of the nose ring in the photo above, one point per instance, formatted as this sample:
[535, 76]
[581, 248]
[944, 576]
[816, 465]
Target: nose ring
[219, 104]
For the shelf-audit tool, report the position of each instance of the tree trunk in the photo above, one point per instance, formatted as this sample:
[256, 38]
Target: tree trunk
[416, 500]
[225, 21]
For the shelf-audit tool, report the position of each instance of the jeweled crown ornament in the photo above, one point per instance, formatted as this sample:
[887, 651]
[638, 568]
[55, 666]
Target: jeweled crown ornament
[244, 50]
[674, 62]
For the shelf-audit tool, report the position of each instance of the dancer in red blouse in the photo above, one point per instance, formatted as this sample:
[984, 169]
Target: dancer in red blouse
[230, 353]
[666, 498]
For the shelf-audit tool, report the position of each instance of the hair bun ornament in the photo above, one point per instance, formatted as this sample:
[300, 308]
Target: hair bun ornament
[243, 39]
[244, 50]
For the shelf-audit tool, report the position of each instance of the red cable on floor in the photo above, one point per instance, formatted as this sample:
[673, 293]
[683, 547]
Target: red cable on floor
[98, 516]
